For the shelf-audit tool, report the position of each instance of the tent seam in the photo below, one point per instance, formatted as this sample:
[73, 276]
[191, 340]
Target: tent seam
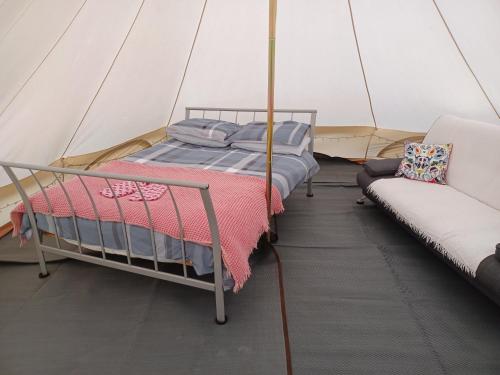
[464, 59]
[361, 64]
[364, 79]
[105, 78]
[19, 17]
[43, 60]
[187, 62]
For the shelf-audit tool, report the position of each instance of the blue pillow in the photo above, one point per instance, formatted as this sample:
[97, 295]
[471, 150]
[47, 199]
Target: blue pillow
[289, 133]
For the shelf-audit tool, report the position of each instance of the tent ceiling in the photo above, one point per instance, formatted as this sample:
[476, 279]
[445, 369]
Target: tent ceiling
[414, 70]
[476, 27]
[318, 63]
[79, 76]
[39, 30]
[140, 90]
[47, 111]
[11, 11]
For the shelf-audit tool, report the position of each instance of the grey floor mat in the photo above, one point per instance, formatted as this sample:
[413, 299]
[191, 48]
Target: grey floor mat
[85, 319]
[363, 297]
[350, 319]
[11, 252]
[336, 171]
[326, 220]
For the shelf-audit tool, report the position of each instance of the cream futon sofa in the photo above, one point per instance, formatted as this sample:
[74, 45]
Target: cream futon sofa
[461, 220]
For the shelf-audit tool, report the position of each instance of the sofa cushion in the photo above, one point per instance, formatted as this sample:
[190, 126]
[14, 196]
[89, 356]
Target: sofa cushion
[382, 167]
[464, 229]
[364, 179]
[475, 160]
[425, 162]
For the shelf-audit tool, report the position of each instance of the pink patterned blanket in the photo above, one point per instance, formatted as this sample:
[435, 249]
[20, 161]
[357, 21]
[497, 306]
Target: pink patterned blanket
[239, 203]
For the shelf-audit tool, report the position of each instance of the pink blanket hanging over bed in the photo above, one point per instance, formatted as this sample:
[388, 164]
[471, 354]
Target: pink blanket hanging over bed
[239, 203]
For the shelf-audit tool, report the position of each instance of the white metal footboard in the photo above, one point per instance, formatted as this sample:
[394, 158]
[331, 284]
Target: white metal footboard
[103, 260]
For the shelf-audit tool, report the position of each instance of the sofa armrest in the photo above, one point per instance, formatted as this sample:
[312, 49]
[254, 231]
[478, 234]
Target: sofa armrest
[382, 167]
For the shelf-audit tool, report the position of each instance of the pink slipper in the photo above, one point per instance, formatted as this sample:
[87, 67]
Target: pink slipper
[122, 189]
[150, 192]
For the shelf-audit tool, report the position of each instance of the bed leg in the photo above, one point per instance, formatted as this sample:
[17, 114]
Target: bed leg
[37, 235]
[310, 188]
[220, 313]
[39, 253]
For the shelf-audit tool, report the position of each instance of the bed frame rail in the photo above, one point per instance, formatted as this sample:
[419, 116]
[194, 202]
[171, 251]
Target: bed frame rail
[59, 173]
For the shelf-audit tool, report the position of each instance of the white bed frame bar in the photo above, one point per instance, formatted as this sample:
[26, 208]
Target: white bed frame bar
[216, 286]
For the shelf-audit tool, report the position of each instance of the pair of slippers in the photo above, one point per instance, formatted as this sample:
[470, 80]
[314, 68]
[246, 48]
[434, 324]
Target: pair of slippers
[150, 192]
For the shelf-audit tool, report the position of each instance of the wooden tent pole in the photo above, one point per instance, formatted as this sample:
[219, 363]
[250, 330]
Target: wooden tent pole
[273, 5]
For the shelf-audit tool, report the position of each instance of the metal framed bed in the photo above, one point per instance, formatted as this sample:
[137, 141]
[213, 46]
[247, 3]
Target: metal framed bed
[105, 259]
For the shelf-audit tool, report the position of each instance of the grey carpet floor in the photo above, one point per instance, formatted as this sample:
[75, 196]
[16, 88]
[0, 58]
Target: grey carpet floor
[363, 297]
[11, 252]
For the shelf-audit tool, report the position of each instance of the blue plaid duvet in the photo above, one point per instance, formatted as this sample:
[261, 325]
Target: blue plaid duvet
[288, 170]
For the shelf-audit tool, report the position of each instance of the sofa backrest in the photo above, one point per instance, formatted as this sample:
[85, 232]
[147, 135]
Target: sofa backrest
[474, 167]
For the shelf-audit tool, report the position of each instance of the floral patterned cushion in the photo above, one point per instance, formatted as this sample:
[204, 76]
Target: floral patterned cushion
[425, 162]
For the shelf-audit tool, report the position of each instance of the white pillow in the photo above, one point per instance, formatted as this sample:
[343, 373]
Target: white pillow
[277, 148]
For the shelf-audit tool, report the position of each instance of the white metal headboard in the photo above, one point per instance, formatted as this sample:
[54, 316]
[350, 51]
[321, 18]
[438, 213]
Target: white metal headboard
[218, 112]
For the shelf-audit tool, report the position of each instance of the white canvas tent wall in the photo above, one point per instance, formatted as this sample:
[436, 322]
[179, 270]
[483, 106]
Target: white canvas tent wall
[80, 76]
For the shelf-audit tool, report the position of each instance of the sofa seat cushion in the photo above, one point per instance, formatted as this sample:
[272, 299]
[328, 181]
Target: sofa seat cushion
[462, 228]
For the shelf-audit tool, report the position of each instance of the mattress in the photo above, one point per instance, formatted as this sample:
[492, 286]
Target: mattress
[289, 171]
